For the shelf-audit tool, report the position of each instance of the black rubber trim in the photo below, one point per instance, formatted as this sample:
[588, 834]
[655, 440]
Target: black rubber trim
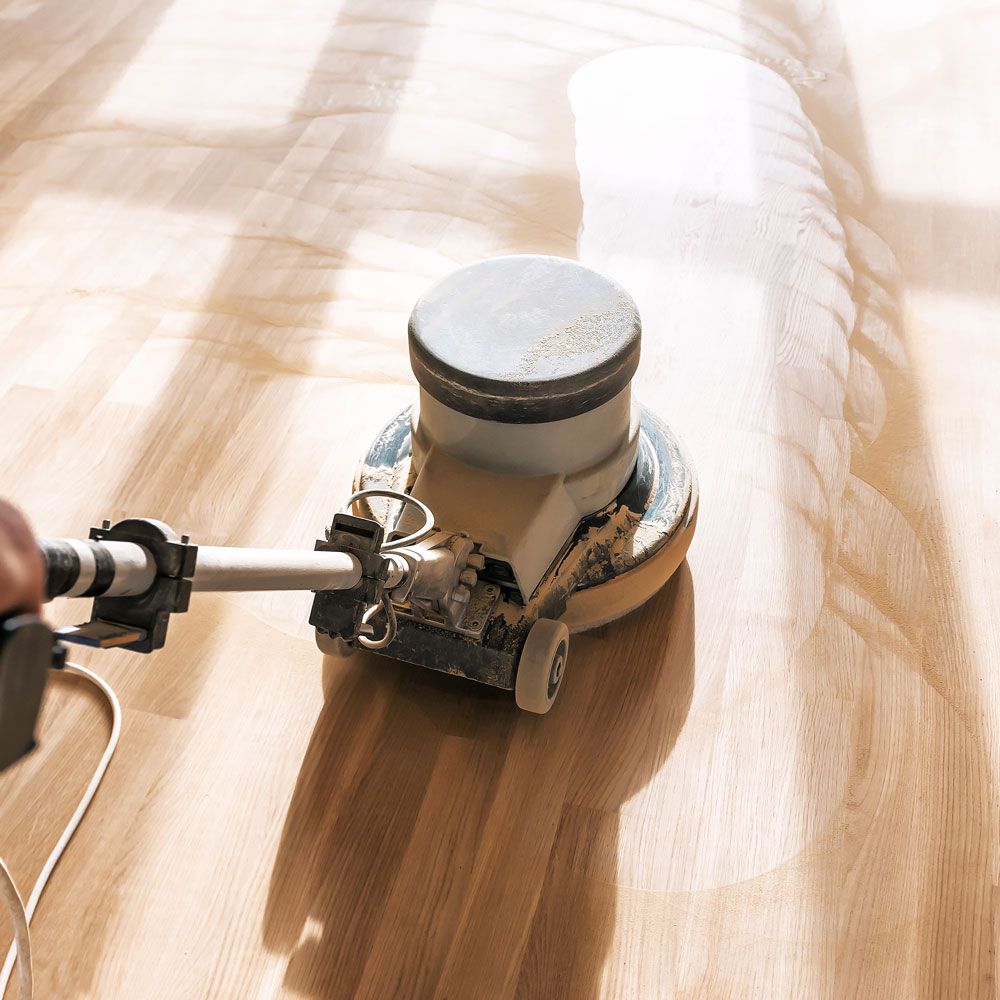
[62, 566]
[104, 573]
[522, 403]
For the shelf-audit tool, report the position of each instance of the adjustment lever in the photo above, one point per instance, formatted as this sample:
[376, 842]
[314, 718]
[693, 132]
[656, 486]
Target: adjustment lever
[102, 634]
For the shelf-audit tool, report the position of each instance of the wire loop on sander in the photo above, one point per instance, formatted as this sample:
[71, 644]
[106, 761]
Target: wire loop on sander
[404, 498]
[427, 528]
[391, 625]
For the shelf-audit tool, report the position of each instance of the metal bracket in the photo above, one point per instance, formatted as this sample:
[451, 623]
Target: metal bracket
[477, 613]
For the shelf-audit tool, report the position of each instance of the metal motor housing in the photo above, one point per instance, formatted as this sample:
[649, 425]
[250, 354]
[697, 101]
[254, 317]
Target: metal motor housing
[526, 422]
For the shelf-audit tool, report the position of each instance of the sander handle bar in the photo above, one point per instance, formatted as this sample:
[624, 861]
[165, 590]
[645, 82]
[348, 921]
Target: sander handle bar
[88, 568]
[139, 573]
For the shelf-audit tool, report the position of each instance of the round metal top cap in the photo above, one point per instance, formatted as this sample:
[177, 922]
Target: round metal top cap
[525, 339]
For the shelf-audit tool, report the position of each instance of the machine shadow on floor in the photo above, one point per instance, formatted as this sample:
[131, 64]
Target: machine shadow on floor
[412, 827]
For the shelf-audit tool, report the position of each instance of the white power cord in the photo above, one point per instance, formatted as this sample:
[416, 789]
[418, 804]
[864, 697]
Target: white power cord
[21, 915]
[22, 939]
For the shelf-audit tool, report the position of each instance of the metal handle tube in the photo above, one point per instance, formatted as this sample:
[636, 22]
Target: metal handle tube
[225, 568]
[83, 568]
[76, 567]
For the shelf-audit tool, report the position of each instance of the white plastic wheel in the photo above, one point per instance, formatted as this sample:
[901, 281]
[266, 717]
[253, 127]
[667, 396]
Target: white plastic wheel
[541, 667]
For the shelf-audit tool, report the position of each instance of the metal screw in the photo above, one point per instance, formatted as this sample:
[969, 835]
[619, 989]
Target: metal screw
[474, 624]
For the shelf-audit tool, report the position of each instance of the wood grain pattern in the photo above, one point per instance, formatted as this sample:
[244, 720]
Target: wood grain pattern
[776, 780]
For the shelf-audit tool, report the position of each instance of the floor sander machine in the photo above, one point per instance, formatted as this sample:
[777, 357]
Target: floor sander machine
[526, 496]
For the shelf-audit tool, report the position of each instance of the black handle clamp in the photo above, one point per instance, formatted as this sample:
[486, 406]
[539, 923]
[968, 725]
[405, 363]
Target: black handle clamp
[340, 612]
[139, 623]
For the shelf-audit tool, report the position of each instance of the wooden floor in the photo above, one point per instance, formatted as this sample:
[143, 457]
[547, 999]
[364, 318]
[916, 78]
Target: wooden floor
[779, 778]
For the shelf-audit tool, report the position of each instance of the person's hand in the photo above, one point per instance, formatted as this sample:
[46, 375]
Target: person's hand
[21, 571]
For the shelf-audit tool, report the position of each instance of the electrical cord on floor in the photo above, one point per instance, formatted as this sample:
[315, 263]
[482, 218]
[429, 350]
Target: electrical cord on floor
[22, 940]
[21, 915]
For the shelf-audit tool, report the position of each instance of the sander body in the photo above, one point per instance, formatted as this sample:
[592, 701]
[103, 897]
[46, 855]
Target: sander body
[573, 503]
